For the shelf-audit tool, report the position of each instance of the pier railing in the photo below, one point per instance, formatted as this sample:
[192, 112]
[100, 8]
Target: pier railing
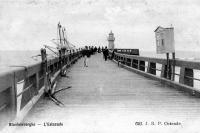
[149, 67]
[20, 87]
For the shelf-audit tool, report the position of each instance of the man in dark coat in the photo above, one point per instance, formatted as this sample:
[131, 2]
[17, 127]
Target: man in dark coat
[105, 53]
[113, 54]
[99, 50]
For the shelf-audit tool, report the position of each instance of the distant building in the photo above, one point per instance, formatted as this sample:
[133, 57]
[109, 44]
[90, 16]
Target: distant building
[111, 40]
[164, 40]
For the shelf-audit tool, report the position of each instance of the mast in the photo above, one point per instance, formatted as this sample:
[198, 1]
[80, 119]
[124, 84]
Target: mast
[63, 32]
[59, 32]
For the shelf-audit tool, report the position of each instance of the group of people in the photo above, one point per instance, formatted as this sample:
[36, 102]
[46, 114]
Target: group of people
[88, 51]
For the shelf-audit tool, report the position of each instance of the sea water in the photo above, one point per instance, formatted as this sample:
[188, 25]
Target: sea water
[11, 59]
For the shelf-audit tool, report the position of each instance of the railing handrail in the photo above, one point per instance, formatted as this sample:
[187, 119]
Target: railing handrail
[147, 66]
[178, 62]
[19, 70]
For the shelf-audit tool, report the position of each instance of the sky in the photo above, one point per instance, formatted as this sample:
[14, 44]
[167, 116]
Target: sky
[30, 24]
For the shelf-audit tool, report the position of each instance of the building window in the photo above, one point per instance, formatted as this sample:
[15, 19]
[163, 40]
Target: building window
[162, 42]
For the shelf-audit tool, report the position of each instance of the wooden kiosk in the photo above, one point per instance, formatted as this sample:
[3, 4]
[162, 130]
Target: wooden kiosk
[165, 45]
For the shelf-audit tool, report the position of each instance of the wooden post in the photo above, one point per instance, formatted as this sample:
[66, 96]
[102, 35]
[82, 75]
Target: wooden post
[63, 32]
[131, 63]
[59, 31]
[60, 61]
[44, 67]
[173, 69]
[37, 82]
[167, 55]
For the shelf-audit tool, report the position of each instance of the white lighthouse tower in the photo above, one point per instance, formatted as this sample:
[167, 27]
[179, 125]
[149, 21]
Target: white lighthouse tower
[111, 40]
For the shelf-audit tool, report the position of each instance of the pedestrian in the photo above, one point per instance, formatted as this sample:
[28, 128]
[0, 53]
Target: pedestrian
[92, 50]
[86, 55]
[95, 49]
[105, 53]
[99, 50]
[113, 54]
[102, 49]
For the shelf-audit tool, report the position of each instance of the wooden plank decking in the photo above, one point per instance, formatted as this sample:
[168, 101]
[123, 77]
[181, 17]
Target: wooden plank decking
[105, 98]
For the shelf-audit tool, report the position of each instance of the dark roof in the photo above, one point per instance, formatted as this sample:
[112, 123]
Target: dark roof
[157, 28]
[163, 28]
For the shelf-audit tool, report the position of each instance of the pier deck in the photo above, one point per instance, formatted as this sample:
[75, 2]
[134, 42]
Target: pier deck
[106, 98]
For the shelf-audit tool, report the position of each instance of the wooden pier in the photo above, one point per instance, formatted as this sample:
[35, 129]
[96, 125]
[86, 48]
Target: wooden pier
[105, 98]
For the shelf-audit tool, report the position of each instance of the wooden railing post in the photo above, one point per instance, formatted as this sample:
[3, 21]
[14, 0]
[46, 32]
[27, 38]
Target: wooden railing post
[131, 63]
[37, 82]
[44, 67]
[173, 66]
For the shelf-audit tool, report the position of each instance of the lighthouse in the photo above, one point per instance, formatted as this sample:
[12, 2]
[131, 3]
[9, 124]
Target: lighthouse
[111, 40]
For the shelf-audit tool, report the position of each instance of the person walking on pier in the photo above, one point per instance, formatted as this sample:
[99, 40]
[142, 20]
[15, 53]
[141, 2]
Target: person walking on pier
[86, 55]
[99, 50]
[105, 53]
[113, 54]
